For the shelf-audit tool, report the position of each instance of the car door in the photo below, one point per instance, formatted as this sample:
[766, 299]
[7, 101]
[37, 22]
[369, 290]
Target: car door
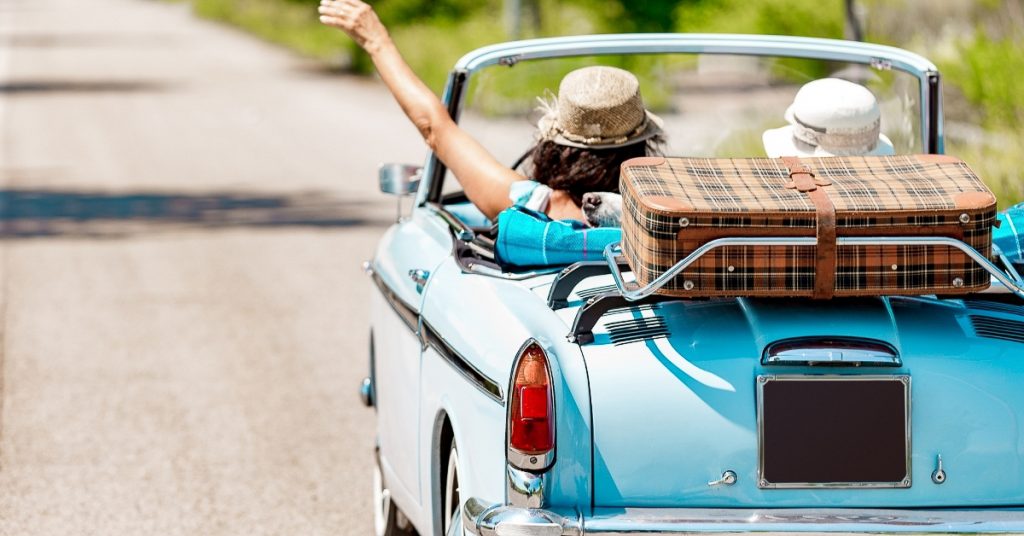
[407, 255]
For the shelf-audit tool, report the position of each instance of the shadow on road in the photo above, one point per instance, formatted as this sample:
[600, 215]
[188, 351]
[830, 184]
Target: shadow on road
[78, 86]
[82, 39]
[42, 213]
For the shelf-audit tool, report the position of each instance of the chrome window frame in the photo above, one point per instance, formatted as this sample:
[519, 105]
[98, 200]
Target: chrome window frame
[908, 413]
[511, 53]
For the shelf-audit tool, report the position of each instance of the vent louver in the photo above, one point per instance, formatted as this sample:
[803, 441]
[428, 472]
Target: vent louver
[637, 329]
[999, 307]
[591, 292]
[634, 308]
[998, 328]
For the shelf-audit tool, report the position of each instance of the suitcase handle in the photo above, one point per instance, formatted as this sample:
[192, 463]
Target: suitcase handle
[1009, 278]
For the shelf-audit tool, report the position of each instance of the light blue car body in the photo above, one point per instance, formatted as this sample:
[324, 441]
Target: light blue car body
[644, 428]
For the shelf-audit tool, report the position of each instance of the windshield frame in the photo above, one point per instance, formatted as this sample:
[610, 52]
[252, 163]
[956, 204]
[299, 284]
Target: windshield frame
[509, 54]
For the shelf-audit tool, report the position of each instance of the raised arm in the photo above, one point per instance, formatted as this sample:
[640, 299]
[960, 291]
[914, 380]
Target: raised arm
[485, 180]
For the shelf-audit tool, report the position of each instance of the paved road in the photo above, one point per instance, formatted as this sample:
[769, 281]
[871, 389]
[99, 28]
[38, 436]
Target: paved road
[183, 213]
[183, 210]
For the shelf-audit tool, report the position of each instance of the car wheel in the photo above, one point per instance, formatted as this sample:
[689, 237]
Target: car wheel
[388, 520]
[452, 498]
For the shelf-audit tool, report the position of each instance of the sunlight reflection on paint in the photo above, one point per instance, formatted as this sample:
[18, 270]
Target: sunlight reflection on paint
[695, 372]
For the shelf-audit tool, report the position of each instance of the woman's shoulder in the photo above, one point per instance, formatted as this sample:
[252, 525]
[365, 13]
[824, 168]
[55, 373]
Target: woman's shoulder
[530, 194]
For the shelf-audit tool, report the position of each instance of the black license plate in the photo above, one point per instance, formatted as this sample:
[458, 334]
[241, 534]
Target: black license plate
[833, 431]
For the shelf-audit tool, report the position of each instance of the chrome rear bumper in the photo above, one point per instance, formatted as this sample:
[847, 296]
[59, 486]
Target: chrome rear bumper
[480, 519]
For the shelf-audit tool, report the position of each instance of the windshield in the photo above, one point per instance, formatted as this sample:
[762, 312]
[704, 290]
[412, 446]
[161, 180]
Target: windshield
[711, 105]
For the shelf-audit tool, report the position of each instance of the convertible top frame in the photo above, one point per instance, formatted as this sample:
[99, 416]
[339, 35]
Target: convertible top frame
[511, 53]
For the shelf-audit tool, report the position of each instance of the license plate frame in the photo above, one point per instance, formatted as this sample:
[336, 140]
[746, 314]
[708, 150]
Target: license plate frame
[786, 462]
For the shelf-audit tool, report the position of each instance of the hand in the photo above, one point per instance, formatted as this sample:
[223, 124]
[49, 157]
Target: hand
[357, 19]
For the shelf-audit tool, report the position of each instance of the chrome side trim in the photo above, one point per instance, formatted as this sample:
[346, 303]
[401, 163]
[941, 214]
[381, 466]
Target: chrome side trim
[524, 489]
[763, 379]
[410, 317]
[484, 519]
[608, 522]
[462, 365]
[632, 293]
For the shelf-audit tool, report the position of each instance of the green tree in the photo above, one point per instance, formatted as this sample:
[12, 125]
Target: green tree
[625, 16]
[415, 11]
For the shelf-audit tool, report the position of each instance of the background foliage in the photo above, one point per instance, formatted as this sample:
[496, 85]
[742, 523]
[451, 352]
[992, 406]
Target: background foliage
[978, 45]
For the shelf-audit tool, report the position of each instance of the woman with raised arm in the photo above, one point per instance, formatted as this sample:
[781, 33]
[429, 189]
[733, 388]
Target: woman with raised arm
[598, 122]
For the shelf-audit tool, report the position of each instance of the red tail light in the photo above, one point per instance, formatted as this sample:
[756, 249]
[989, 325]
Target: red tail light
[531, 420]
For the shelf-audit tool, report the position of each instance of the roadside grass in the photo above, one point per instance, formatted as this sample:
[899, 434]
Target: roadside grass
[294, 25]
[978, 45]
[823, 18]
[432, 46]
[984, 91]
[987, 73]
[996, 159]
[432, 50]
[777, 17]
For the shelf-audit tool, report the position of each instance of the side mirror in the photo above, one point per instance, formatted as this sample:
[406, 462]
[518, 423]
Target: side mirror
[399, 179]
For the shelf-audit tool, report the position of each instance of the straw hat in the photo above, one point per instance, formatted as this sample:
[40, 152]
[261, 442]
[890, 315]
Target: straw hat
[597, 108]
[830, 117]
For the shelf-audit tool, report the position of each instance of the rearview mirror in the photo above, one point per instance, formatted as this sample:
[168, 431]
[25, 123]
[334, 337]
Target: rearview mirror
[399, 179]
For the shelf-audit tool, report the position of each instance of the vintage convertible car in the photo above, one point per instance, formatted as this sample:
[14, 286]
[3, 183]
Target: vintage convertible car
[548, 402]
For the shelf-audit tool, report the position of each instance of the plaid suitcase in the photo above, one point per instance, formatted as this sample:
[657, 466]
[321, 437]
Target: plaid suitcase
[672, 206]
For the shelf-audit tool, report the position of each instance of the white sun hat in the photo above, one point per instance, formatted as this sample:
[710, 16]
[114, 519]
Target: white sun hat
[830, 117]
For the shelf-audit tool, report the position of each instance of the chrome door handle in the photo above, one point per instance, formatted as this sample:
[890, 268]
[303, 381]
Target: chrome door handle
[728, 479]
[419, 277]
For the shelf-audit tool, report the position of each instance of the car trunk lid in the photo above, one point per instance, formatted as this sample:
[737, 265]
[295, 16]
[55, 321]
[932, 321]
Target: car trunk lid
[675, 401]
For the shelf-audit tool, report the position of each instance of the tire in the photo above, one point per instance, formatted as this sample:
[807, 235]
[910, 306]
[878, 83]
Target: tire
[388, 520]
[451, 515]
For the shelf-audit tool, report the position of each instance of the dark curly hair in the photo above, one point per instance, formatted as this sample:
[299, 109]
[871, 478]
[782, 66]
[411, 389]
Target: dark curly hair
[578, 171]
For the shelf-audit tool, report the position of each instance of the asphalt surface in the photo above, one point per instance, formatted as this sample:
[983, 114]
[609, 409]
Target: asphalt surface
[183, 213]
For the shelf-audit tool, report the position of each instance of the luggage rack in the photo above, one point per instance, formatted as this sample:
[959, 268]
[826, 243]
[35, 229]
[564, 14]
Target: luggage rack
[1005, 280]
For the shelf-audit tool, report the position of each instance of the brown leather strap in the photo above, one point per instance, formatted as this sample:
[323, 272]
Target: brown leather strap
[803, 180]
[800, 176]
[825, 252]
